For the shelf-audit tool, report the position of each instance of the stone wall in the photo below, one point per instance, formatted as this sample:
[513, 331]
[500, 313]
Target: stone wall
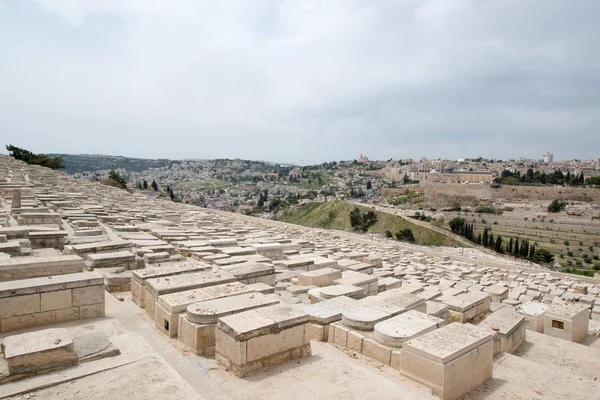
[42, 301]
[446, 194]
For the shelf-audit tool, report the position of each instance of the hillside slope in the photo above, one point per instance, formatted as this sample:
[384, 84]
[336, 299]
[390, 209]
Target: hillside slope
[334, 215]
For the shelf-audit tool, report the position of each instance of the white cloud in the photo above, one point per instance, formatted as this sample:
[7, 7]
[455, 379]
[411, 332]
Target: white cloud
[272, 79]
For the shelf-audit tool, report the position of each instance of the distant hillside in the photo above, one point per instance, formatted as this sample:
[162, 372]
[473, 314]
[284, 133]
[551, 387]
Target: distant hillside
[74, 163]
[334, 215]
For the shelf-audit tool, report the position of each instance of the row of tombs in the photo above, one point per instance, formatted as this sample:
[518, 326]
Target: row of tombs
[255, 296]
[445, 342]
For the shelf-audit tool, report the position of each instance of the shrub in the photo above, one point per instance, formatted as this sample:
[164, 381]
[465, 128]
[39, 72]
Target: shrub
[456, 224]
[566, 242]
[406, 235]
[388, 234]
[487, 210]
[557, 206]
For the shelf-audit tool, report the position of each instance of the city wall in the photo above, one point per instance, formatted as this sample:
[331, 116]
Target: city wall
[446, 194]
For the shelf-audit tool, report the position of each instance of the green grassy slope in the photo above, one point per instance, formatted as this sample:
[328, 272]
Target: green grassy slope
[334, 215]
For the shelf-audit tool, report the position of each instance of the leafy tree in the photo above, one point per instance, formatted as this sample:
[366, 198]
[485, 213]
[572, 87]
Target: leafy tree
[369, 185]
[117, 180]
[362, 221]
[154, 185]
[457, 225]
[543, 256]
[369, 219]
[145, 185]
[35, 159]
[406, 235]
[355, 218]
[557, 206]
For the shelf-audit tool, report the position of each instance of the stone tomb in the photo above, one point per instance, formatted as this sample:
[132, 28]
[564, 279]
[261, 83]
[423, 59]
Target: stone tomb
[197, 326]
[364, 318]
[38, 352]
[98, 247]
[452, 360]
[534, 314]
[274, 251]
[367, 282]
[252, 272]
[319, 277]
[569, 321]
[509, 329]
[139, 277]
[396, 301]
[394, 332]
[169, 306]
[467, 306]
[34, 267]
[117, 259]
[170, 284]
[40, 301]
[498, 293]
[259, 339]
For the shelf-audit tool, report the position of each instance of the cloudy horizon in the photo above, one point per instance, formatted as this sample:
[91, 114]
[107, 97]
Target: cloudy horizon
[291, 80]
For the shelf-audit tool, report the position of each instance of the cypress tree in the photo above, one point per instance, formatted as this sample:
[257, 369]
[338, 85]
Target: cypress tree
[498, 244]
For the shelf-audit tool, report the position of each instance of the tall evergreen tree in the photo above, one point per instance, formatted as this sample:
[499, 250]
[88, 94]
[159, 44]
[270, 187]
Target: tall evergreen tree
[145, 185]
[154, 185]
[510, 246]
[498, 245]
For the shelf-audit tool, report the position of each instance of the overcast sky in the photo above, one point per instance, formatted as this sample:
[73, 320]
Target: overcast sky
[291, 80]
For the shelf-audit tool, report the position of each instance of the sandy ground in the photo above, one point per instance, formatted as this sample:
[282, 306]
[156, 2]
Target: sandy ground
[329, 373]
[143, 380]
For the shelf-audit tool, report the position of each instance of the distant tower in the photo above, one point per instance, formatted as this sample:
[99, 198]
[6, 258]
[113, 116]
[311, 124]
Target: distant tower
[598, 164]
[548, 158]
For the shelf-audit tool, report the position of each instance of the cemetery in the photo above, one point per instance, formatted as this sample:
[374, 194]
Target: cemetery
[95, 279]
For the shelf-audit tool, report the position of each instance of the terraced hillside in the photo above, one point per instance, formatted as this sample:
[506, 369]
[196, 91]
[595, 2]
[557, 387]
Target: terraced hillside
[574, 241]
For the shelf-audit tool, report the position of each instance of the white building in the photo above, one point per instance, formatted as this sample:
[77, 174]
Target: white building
[548, 158]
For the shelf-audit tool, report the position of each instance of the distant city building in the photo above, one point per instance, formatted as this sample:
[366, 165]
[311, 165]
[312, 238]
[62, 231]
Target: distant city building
[548, 157]
[363, 159]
